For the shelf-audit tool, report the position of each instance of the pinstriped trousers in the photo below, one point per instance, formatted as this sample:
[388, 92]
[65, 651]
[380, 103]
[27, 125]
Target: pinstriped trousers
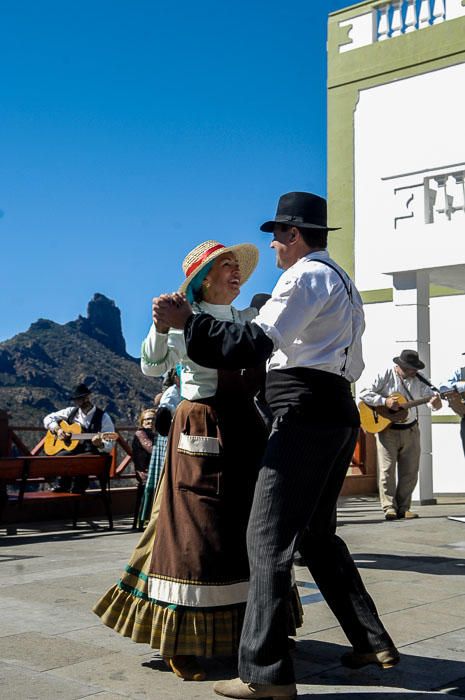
[295, 506]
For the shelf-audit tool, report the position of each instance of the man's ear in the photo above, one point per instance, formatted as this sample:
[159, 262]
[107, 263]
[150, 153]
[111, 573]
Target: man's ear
[294, 233]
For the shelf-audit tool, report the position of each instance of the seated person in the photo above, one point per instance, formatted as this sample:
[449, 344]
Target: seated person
[142, 443]
[92, 420]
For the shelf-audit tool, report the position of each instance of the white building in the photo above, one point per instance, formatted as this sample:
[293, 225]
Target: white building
[396, 171]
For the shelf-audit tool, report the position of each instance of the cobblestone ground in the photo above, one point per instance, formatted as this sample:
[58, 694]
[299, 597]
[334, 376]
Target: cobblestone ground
[52, 646]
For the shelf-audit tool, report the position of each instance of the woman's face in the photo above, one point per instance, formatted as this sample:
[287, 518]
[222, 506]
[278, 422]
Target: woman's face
[223, 283]
[147, 419]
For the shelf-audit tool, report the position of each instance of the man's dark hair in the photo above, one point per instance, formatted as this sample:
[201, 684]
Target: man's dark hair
[313, 237]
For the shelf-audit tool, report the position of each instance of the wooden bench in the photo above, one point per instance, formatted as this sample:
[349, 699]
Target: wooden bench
[27, 469]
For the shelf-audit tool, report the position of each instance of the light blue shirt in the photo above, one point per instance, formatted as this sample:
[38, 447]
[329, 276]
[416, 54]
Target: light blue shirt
[456, 381]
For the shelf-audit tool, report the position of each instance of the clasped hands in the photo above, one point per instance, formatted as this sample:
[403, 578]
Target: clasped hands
[170, 311]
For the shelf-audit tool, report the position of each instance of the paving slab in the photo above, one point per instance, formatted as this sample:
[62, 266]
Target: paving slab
[40, 652]
[31, 685]
[101, 636]
[52, 646]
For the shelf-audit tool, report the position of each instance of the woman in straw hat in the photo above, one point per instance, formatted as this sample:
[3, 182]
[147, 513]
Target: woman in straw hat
[185, 589]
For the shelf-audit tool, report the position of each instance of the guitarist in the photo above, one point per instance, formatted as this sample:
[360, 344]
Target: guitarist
[399, 444]
[92, 420]
[456, 384]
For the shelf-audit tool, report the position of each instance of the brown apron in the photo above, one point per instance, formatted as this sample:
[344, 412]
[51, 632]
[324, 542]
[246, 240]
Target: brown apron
[213, 455]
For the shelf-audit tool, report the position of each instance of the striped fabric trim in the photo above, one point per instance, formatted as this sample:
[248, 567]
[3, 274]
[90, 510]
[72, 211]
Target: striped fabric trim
[192, 595]
[146, 359]
[137, 572]
[198, 445]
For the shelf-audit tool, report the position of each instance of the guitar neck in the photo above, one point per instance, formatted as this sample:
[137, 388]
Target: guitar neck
[425, 399]
[83, 436]
[417, 402]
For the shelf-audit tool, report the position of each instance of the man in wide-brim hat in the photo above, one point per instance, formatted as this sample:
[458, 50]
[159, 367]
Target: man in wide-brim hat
[92, 420]
[310, 332]
[398, 445]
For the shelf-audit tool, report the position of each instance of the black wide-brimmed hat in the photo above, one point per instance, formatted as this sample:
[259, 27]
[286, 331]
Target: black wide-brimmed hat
[409, 359]
[301, 209]
[79, 391]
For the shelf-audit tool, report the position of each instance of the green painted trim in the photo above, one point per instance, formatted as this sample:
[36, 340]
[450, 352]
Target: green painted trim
[445, 419]
[376, 296]
[436, 290]
[380, 296]
[353, 10]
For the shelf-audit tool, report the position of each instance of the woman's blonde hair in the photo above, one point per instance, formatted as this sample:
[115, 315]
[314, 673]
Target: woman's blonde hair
[143, 413]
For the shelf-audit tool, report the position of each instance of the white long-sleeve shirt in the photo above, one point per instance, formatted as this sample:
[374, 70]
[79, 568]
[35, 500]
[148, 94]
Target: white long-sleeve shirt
[163, 351]
[52, 421]
[312, 320]
[388, 382]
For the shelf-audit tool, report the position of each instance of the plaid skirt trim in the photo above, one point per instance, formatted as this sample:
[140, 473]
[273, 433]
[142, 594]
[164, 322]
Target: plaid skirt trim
[177, 630]
[172, 630]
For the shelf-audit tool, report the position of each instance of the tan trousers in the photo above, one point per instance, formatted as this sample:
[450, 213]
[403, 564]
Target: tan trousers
[401, 448]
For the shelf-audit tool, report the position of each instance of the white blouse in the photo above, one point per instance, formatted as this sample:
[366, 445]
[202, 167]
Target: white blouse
[162, 351]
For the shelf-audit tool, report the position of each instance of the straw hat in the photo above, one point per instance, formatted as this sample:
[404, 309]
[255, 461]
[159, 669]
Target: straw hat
[246, 254]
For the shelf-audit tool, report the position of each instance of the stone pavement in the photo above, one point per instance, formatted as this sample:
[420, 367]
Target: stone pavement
[53, 647]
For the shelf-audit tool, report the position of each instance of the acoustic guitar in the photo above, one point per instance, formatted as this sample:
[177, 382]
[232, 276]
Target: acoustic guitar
[74, 435]
[374, 419]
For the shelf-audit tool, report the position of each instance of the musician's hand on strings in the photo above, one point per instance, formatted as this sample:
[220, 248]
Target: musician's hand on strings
[392, 404]
[61, 435]
[173, 310]
[436, 402]
[97, 441]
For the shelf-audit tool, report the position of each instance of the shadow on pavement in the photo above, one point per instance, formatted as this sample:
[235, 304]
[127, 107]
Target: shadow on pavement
[415, 673]
[82, 532]
[442, 566]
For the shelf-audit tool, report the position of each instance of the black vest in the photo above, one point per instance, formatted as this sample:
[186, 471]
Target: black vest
[94, 427]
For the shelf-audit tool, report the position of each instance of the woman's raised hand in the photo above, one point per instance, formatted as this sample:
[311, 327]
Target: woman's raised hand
[170, 311]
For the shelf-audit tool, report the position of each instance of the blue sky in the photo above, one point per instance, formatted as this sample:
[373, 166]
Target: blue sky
[132, 130]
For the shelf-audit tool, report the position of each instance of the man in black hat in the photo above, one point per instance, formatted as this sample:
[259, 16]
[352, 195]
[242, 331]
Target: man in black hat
[92, 420]
[455, 389]
[310, 332]
[398, 446]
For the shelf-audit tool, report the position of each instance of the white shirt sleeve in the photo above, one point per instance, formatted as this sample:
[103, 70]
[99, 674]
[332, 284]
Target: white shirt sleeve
[455, 382]
[376, 394]
[52, 421]
[161, 351]
[295, 302]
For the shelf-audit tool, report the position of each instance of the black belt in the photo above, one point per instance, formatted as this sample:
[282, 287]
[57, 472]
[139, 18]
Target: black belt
[402, 426]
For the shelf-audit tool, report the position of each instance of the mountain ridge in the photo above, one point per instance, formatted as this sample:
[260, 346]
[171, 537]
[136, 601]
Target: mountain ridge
[40, 366]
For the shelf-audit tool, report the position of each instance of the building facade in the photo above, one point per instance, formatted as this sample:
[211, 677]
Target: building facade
[396, 174]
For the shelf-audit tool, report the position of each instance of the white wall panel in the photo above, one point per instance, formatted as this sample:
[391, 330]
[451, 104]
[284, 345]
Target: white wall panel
[408, 134]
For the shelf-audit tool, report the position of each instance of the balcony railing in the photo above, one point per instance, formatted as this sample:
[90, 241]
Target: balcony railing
[388, 20]
[428, 197]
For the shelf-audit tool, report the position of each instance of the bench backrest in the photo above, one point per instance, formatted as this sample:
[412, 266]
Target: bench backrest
[12, 468]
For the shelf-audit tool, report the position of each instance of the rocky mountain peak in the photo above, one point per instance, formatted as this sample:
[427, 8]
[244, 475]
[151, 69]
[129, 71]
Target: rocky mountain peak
[103, 323]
